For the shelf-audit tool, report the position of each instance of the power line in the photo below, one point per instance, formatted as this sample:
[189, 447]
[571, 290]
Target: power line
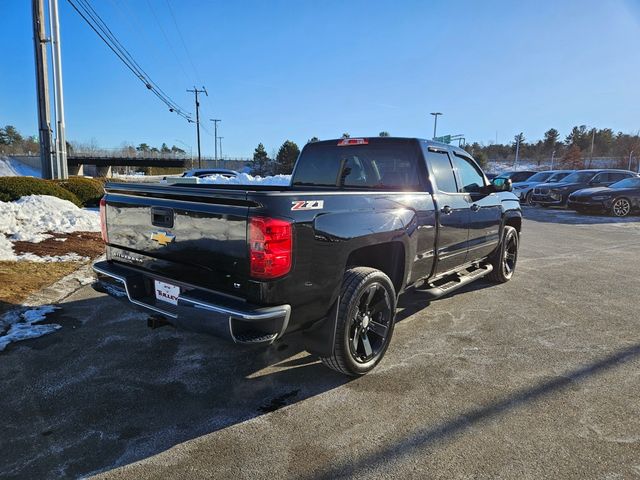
[98, 25]
[166, 37]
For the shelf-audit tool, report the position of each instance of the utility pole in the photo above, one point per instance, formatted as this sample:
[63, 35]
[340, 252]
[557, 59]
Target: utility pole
[61, 142]
[220, 140]
[435, 122]
[47, 158]
[215, 137]
[593, 139]
[196, 92]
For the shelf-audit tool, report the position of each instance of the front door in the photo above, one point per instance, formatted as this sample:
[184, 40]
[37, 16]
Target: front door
[485, 210]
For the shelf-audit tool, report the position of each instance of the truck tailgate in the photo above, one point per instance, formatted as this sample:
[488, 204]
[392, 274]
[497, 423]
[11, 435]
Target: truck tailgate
[190, 235]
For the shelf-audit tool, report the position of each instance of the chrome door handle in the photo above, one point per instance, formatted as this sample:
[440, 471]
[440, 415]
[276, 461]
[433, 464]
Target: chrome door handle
[447, 210]
[475, 207]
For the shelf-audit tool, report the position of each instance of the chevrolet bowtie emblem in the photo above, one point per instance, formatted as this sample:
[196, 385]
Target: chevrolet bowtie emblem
[163, 238]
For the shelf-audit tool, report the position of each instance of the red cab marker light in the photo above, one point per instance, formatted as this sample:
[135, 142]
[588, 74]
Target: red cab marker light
[353, 141]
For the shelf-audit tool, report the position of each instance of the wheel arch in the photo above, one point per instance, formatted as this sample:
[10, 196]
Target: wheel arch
[388, 257]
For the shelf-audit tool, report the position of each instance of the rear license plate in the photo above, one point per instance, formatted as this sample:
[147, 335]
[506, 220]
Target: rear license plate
[166, 292]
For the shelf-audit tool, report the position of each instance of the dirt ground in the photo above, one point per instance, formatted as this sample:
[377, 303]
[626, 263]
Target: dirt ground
[85, 244]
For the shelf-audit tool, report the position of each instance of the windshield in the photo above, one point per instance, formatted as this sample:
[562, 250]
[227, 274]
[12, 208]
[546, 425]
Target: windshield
[556, 177]
[539, 177]
[385, 164]
[627, 183]
[579, 177]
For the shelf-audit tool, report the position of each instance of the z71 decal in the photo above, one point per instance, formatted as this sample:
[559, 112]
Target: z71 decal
[308, 205]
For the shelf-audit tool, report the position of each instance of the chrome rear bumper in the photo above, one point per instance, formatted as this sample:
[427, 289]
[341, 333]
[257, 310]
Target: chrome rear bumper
[196, 309]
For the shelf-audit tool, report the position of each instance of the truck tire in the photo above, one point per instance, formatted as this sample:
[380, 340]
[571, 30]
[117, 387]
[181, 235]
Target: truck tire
[366, 318]
[505, 257]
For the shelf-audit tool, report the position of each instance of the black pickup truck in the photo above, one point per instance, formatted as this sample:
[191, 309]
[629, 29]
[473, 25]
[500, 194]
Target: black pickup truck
[363, 220]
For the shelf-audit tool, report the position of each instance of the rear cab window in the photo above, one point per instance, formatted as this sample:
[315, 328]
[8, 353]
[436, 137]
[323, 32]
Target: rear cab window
[377, 164]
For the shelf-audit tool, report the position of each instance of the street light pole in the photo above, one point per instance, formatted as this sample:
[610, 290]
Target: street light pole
[215, 137]
[435, 123]
[553, 156]
[56, 62]
[220, 139]
[630, 154]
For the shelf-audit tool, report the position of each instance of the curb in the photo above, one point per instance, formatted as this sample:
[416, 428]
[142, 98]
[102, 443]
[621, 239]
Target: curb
[64, 287]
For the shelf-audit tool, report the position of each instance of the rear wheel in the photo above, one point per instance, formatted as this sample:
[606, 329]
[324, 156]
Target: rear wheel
[621, 207]
[366, 317]
[505, 257]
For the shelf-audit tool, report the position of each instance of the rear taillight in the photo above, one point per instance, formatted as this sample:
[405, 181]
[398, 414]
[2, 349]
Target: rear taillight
[103, 219]
[270, 247]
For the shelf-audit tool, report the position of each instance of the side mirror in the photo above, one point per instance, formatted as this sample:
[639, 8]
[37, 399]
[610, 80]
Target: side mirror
[501, 184]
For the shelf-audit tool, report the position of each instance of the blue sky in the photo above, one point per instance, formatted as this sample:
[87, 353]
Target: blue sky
[282, 70]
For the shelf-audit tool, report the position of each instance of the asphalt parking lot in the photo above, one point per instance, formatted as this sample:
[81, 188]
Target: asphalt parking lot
[536, 378]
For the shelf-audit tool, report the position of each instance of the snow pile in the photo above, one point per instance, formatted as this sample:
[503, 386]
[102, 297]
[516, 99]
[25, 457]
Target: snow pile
[499, 167]
[246, 179]
[10, 167]
[21, 325]
[29, 218]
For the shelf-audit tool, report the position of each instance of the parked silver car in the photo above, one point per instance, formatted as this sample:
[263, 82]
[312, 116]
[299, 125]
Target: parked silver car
[523, 190]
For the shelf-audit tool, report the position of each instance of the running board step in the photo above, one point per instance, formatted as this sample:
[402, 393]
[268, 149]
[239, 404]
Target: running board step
[463, 278]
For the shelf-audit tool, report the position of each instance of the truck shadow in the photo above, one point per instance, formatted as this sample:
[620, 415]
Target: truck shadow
[105, 390]
[414, 301]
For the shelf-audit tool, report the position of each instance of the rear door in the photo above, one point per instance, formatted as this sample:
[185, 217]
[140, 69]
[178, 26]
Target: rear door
[453, 211]
[485, 210]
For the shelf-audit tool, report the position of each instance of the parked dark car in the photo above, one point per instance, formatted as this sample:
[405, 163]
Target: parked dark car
[517, 175]
[557, 194]
[363, 220]
[205, 172]
[618, 199]
[524, 190]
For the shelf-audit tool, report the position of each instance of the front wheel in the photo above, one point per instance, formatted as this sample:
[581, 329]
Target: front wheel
[366, 317]
[621, 207]
[505, 257]
[527, 198]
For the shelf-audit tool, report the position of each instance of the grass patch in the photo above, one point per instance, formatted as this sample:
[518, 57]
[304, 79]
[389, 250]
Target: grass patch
[21, 279]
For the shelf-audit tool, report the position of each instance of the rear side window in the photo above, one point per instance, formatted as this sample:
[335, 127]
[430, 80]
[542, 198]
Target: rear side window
[442, 171]
[471, 178]
[383, 165]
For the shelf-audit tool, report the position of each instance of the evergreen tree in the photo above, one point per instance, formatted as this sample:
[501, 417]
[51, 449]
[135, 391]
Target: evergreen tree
[551, 138]
[261, 163]
[573, 158]
[286, 157]
[384, 133]
[313, 139]
[345, 135]
[164, 148]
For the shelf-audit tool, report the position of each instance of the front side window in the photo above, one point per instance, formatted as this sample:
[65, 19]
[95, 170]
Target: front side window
[470, 176]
